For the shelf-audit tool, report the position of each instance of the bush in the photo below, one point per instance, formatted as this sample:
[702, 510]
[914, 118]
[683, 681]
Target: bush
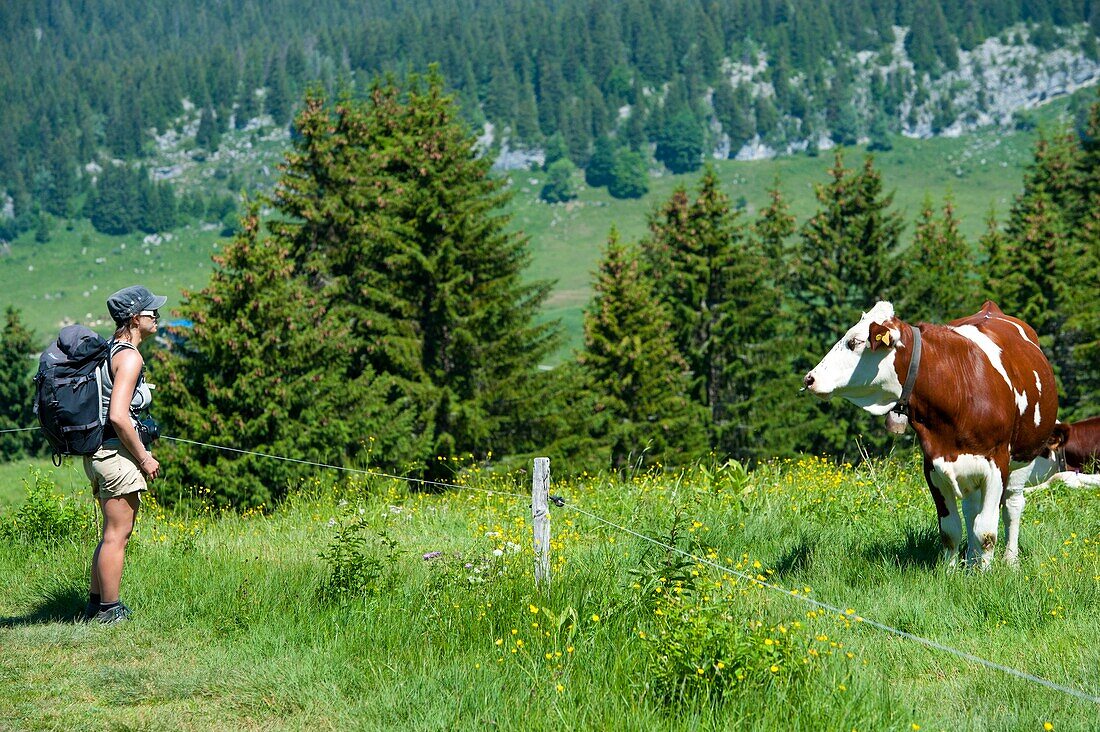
[629, 178]
[361, 561]
[704, 653]
[559, 182]
[47, 518]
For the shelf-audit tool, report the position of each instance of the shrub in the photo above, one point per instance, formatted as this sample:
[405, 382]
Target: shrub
[559, 182]
[361, 561]
[703, 653]
[47, 518]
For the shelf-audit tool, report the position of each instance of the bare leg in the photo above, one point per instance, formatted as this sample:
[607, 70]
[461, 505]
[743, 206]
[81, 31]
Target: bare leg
[119, 515]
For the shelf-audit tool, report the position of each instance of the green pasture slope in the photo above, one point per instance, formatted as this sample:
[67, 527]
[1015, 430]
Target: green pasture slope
[433, 622]
[68, 278]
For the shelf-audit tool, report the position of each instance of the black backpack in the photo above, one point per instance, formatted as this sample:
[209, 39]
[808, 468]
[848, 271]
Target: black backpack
[68, 392]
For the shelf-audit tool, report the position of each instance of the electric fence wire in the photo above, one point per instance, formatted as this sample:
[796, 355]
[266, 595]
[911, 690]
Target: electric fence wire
[361, 471]
[851, 616]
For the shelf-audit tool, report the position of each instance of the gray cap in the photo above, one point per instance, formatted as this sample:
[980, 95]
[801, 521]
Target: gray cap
[129, 301]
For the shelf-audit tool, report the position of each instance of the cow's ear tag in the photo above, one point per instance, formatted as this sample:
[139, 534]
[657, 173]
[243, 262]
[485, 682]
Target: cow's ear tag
[884, 338]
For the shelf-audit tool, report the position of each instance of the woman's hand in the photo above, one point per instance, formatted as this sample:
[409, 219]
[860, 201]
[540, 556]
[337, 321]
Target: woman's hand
[150, 467]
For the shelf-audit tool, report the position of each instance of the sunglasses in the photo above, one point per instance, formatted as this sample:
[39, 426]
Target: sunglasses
[154, 314]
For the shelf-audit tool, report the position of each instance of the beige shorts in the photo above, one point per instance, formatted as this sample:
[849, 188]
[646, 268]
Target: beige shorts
[113, 473]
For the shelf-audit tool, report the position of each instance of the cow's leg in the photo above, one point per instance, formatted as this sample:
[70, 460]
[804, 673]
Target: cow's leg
[1011, 512]
[943, 489]
[1019, 478]
[972, 506]
[984, 531]
[951, 532]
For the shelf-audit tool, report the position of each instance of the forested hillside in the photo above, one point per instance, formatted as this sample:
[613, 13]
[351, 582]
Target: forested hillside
[382, 225]
[85, 84]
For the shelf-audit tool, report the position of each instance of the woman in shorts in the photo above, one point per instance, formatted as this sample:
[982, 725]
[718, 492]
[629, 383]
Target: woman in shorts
[123, 466]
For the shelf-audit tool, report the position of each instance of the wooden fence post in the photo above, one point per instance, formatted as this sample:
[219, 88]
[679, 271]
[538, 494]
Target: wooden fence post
[540, 520]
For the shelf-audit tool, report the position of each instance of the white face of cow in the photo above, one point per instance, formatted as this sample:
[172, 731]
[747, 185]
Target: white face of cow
[858, 370]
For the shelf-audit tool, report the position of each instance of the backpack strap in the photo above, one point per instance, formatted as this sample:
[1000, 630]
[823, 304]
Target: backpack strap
[114, 348]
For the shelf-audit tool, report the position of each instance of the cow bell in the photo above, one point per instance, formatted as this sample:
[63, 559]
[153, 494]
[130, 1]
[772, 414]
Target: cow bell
[897, 423]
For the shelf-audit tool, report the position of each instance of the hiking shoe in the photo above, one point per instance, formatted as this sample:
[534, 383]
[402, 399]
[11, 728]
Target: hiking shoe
[112, 615]
[90, 611]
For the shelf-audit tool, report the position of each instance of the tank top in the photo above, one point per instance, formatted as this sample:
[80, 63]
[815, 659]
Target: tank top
[142, 398]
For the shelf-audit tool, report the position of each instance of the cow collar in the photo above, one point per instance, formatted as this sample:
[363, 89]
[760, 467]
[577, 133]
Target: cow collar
[902, 407]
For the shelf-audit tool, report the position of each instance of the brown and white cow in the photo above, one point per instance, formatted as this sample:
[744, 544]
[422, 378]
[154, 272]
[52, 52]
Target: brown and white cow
[982, 399]
[1074, 447]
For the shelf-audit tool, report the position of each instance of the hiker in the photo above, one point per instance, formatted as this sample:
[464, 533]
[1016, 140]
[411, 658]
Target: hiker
[123, 466]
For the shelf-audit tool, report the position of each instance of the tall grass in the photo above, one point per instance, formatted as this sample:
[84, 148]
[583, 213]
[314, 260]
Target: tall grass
[243, 622]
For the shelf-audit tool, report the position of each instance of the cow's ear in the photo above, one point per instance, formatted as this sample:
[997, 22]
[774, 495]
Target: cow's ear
[879, 336]
[1058, 437]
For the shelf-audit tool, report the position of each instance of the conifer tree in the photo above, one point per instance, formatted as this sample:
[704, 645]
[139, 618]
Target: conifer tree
[686, 255]
[938, 270]
[645, 412]
[680, 146]
[269, 366]
[598, 171]
[389, 202]
[1022, 275]
[208, 135]
[843, 262]
[112, 205]
[1079, 270]
[16, 387]
[727, 314]
[842, 265]
[772, 231]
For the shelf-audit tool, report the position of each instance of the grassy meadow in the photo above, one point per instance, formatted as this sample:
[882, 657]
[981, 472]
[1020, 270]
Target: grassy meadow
[360, 605]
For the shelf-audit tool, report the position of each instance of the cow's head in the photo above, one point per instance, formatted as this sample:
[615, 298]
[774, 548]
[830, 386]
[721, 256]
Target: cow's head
[860, 367]
[1058, 438]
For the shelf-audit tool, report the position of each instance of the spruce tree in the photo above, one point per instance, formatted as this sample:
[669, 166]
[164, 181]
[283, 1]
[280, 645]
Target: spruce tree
[844, 259]
[1021, 276]
[268, 366]
[112, 206]
[772, 231]
[843, 264]
[208, 135]
[686, 255]
[1079, 270]
[16, 386]
[388, 202]
[938, 270]
[680, 146]
[727, 317]
[645, 412]
[598, 171]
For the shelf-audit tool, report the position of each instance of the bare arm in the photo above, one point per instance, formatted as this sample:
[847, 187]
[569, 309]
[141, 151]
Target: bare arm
[127, 368]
